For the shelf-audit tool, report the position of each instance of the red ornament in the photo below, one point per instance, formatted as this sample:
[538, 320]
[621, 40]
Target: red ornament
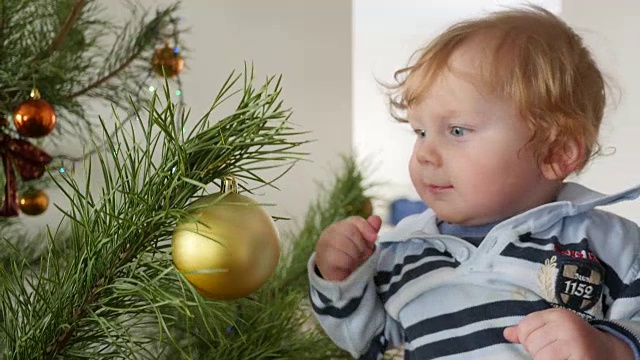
[35, 117]
[28, 160]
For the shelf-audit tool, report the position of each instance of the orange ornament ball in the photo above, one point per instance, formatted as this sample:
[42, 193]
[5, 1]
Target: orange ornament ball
[167, 62]
[34, 118]
[33, 202]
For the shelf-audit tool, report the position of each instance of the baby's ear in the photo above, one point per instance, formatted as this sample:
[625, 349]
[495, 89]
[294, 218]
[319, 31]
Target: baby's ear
[563, 159]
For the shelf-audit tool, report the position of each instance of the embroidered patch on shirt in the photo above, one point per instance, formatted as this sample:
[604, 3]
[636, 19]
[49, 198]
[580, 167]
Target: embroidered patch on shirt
[580, 254]
[546, 279]
[571, 283]
[579, 283]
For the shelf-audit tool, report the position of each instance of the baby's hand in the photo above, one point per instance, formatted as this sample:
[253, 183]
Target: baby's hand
[559, 334]
[345, 245]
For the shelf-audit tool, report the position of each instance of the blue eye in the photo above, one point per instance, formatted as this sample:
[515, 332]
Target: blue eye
[458, 131]
[421, 133]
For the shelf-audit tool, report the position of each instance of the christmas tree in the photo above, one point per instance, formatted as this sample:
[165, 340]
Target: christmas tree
[106, 288]
[103, 284]
[58, 59]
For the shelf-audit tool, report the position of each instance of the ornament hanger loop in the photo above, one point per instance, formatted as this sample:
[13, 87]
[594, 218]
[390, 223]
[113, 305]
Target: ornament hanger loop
[229, 184]
[35, 93]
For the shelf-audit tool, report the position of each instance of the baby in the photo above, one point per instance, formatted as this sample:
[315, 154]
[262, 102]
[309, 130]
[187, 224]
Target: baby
[510, 261]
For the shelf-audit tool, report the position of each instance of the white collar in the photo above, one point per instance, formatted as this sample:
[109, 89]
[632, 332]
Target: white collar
[572, 199]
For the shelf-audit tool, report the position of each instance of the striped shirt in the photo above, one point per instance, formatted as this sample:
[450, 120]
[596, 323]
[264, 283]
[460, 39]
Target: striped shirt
[444, 298]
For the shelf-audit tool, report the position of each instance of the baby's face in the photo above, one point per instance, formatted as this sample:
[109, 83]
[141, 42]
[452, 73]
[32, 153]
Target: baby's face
[469, 162]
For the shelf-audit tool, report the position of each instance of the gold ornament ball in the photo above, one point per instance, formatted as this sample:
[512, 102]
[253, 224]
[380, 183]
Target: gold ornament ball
[169, 60]
[34, 118]
[33, 202]
[232, 252]
[366, 208]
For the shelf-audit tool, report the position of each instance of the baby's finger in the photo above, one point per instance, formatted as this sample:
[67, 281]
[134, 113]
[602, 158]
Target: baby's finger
[530, 324]
[368, 232]
[539, 341]
[375, 221]
[337, 260]
[356, 241]
[554, 351]
[511, 334]
[348, 262]
[354, 245]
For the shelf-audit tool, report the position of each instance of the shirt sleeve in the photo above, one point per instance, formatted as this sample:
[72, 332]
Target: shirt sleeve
[351, 313]
[622, 318]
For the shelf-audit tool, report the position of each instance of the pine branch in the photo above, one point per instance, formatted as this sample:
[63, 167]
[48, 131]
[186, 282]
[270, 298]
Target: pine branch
[73, 60]
[106, 77]
[64, 30]
[59, 46]
[2, 19]
[147, 36]
[103, 298]
[58, 345]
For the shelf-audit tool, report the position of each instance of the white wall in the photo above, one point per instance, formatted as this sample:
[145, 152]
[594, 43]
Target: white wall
[386, 33]
[611, 29]
[309, 43]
